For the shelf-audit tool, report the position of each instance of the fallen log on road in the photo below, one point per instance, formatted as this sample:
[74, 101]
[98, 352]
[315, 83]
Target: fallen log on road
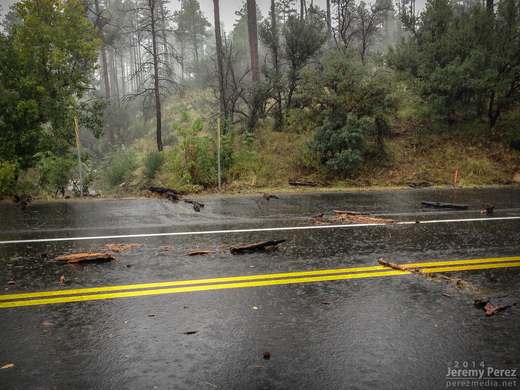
[22, 200]
[169, 193]
[83, 257]
[391, 265]
[350, 212]
[197, 206]
[254, 247]
[303, 183]
[199, 253]
[161, 190]
[347, 218]
[458, 283]
[419, 185]
[444, 205]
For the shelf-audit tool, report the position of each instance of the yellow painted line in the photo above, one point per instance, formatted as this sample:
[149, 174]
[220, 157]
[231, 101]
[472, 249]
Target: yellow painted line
[188, 282]
[473, 261]
[209, 287]
[110, 292]
[470, 267]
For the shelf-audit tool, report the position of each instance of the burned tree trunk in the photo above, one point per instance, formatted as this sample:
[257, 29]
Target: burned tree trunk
[22, 200]
[419, 185]
[254, 247]
[303, 183]
[166, 192]
[444, 205]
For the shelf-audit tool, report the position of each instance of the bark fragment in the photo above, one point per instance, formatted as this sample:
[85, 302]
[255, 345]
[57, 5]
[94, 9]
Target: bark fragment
[496, 302]
[83, 257]
[385, 263]
[202, 252]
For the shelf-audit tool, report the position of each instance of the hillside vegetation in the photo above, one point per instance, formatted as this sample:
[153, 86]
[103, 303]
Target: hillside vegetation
[412, 153]
[267, 162]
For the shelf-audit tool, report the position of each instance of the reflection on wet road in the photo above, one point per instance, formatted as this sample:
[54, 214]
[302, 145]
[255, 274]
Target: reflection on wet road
[319, 304]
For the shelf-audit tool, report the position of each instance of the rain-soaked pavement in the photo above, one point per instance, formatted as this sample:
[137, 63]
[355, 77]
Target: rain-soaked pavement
[394, 332]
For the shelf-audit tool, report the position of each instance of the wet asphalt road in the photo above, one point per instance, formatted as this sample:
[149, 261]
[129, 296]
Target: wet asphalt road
[394, 332]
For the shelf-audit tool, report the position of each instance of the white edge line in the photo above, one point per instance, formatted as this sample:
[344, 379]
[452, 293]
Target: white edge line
[183, 233]
[484, 219]
[248, 230]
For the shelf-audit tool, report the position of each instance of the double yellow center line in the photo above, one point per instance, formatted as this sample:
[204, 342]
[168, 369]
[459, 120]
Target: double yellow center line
[136, 290]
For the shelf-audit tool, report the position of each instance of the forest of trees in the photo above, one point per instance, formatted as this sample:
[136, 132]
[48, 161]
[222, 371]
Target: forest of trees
[149, 86]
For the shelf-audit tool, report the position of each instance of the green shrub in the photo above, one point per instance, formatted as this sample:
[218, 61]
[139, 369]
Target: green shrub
[138, 129]
[193, 162]
[341, 144]
[8, 176]
[246, 164]
[117, 166]
[56, 172]
[152, 164]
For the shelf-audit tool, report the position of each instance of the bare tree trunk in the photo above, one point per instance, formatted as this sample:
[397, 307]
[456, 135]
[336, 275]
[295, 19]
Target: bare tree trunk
[196, 47]
[123, 74]
[103, 57]
[133, 65]
[106, 79]
[276, 64]
[138, 55]
[151, 4]
[105, 72]
[110, 130]
[163, 35]
[220, 60]
[137, 59]
[493, 112]
[273, 13]
[253, 39]
[329, 19]
[113, 79]
[182, 55]
[302, 9]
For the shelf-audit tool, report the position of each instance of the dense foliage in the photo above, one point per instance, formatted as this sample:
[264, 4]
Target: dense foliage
[46, 63]
[463, 60]
[351, 103]
[336, 88]
[193, 162]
